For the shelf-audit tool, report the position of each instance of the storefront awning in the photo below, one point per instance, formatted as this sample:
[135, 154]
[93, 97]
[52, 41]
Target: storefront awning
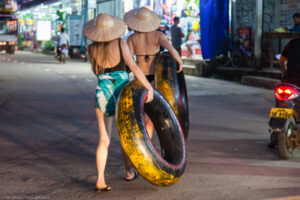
[31, 3]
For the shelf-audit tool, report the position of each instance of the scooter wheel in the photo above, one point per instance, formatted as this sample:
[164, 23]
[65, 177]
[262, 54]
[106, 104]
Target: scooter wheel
[285, 145]
[172, 85]
[159, 169]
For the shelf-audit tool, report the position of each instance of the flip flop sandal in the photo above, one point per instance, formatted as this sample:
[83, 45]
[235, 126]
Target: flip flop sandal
[106, 189]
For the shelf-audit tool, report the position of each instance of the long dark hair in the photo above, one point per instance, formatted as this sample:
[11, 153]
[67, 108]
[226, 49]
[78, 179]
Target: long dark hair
[94, 49]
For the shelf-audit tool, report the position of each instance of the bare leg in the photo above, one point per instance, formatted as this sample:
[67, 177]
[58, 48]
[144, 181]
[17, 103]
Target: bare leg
[190, 51]
[102, 149]
[128, 166]
[149, 126]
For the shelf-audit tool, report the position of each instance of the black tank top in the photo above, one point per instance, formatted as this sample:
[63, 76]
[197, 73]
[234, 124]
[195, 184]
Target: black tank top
[119, 67]
[292, 53]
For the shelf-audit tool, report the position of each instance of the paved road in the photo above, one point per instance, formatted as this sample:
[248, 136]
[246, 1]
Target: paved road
[48, 137]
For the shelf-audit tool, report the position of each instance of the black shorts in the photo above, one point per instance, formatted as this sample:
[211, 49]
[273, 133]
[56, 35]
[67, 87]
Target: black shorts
[151, 79]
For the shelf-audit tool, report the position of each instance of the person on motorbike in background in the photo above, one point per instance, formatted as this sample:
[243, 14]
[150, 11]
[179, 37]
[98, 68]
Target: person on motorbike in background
[290, 60]
[62, 41]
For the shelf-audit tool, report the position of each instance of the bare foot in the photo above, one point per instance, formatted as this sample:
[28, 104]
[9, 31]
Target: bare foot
[131, 175]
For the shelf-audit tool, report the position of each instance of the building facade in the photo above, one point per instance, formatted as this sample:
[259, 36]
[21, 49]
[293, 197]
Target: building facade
[40, 21]
[276, 15]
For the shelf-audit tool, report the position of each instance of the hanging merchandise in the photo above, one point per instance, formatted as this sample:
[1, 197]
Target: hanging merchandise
[195, 25]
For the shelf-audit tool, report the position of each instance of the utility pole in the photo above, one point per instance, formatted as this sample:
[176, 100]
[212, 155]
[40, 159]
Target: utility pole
[258, 31]
[86, 7]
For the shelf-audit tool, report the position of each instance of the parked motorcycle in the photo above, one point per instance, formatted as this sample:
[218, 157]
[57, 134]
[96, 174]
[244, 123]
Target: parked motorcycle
[285, 119]
[63, 54]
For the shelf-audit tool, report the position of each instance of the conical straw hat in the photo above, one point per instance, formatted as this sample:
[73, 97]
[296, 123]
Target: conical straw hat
[142, 20]
[104, 28]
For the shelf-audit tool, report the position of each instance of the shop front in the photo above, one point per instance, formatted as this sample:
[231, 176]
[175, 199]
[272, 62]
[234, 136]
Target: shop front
[40, 23]
[186, 10]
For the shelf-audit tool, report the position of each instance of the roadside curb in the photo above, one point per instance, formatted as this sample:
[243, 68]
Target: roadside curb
[263, 82]
[201, 68]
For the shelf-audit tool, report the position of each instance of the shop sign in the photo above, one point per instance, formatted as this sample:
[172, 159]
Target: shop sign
[43, 30]
[29, 22]
[75, 30]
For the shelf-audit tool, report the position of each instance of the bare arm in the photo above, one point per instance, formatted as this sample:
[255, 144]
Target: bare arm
[283, 63]
[136, 70]
[163, 41]
[284, 57]
[129, 42]
[181, 34]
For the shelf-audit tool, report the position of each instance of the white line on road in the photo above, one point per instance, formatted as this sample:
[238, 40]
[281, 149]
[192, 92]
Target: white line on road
[47, 69]
[73, 76]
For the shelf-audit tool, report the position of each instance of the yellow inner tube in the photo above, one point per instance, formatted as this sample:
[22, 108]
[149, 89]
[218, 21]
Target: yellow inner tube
[135, 143]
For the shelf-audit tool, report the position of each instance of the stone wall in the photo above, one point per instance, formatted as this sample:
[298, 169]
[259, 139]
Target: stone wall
[246, 15]
[245, 12]
[269, 8]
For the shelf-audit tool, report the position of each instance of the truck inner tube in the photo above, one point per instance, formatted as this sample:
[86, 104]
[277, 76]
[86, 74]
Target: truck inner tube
[172, 85]
[159, 169]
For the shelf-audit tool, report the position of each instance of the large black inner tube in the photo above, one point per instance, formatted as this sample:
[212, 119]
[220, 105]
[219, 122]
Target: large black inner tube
[184, 103]
[160, 169]
[173, 86]
[169, 132]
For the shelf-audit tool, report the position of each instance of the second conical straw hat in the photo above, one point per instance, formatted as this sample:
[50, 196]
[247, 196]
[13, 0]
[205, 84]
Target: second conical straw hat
[142, 20]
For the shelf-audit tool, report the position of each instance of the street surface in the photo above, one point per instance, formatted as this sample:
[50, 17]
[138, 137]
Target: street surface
[48, 138]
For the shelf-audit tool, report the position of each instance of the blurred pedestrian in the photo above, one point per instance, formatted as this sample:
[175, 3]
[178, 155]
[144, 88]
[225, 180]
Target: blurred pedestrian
[176, 35]
[108, 55]
[145, 43]
[296, 18]
[165, 30]
[290, 60]
[191, 44]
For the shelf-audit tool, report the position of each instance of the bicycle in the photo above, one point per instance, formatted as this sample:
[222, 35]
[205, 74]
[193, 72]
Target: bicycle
[233, 52]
